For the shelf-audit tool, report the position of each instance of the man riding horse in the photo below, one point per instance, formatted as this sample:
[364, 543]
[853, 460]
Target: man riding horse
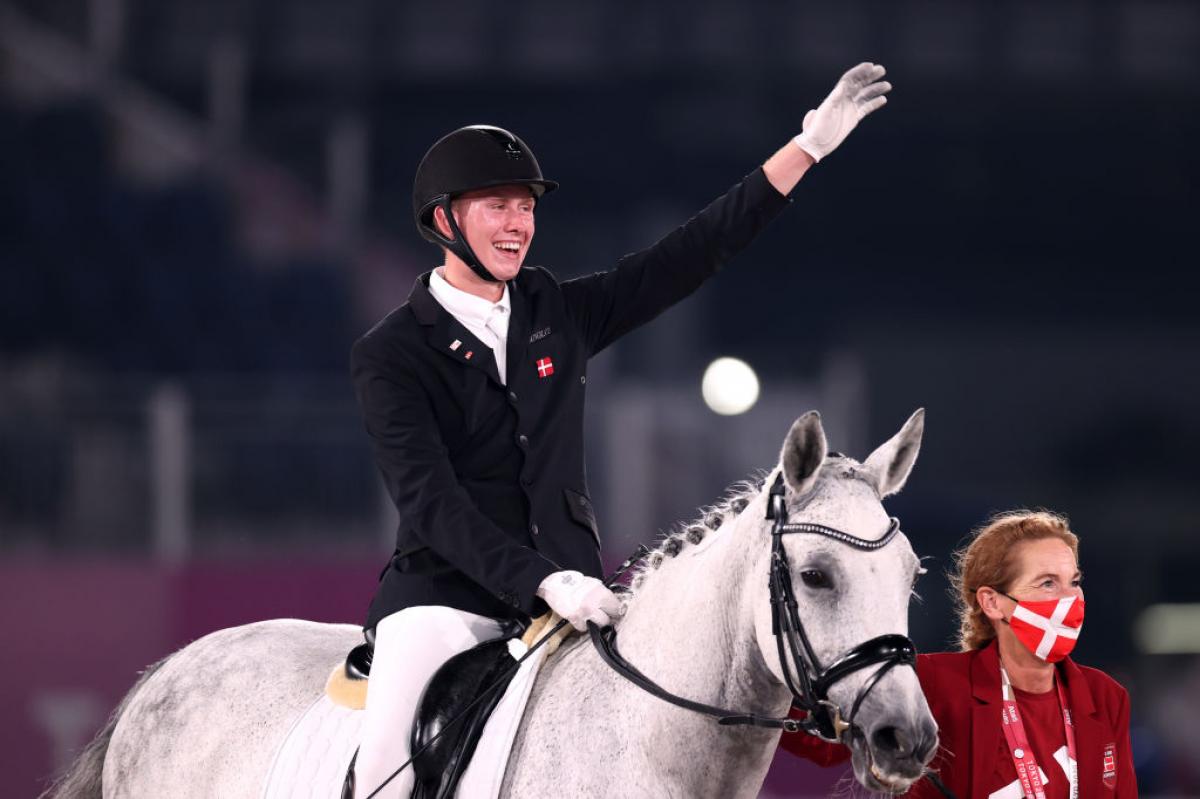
[473, 394]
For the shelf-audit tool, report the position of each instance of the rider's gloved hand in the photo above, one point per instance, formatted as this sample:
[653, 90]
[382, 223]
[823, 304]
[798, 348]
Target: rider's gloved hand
[859, 92]
[580, 599]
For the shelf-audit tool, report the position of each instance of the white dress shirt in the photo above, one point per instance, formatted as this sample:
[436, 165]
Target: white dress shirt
[487, 321]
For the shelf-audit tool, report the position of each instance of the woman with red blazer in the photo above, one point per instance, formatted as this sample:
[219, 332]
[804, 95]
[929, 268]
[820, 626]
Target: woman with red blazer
[1015, 714]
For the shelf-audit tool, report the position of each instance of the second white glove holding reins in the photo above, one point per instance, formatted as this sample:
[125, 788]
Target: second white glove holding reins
[580, 599]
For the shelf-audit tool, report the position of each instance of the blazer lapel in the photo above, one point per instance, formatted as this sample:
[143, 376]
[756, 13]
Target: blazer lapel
[985, 716]
[986, 730]
[519, 325]
[447, 335]
[1090, 731]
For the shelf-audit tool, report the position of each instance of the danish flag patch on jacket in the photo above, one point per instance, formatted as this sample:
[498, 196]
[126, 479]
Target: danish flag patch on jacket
[545, 367]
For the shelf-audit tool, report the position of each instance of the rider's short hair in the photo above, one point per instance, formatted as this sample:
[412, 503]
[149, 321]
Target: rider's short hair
[988, 559]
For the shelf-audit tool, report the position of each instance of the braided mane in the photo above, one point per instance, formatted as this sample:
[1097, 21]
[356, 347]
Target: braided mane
[683, 534]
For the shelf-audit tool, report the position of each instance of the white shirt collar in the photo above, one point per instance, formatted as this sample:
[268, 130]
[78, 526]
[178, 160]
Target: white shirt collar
[466, 307]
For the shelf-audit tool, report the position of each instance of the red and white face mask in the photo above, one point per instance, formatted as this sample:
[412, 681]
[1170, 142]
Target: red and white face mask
[1048, 628]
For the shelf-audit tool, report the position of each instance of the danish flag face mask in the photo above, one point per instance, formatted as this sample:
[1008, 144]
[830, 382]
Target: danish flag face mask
[1048, 628]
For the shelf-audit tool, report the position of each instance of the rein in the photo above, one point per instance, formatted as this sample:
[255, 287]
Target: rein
[605, 641]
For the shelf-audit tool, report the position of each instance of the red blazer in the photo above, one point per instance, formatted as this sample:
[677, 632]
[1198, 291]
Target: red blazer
[970, 731]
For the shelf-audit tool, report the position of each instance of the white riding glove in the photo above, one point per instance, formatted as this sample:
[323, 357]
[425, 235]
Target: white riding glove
[580, 599]
[859, 92]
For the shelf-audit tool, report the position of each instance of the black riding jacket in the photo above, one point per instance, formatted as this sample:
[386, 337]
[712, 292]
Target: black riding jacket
[488, 478]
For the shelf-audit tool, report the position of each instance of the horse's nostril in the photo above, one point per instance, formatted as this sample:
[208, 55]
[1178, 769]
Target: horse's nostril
[889, 740]
[926, 743]
[904, 743]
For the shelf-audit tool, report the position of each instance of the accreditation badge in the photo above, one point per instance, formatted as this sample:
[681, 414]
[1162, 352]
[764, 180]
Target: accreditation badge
[1110, 766]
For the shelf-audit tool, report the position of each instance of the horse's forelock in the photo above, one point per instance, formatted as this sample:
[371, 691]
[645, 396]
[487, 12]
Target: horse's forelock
[841, 467]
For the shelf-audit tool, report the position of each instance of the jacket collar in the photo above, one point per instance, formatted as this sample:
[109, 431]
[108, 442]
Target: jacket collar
[444, 329]
[427, 309]
[985, 715]
[1090, 729]
[985, 719]
[446, 334]
[463, 305]
[519, 323]
[424, 307]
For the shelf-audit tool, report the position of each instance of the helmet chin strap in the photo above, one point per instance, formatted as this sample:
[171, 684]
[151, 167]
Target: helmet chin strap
[458, 245]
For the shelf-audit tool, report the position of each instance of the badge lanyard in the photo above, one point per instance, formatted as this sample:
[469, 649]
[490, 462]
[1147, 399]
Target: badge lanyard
[1022, 752]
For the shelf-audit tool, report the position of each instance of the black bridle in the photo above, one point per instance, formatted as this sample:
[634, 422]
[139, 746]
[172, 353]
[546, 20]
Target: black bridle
[802, 672]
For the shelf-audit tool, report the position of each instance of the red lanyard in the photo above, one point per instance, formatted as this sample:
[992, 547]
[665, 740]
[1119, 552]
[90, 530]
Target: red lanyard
[1022, 752]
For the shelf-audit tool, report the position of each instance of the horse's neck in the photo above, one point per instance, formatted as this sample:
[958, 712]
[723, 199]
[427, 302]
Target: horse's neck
[690, 627]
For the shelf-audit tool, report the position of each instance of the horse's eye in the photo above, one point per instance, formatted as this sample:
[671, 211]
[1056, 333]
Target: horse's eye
[815, 578]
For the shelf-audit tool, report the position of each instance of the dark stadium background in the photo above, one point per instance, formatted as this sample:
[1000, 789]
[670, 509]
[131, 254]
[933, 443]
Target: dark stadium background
[203, 203]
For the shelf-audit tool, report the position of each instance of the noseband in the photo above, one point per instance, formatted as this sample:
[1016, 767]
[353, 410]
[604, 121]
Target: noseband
[802, 672]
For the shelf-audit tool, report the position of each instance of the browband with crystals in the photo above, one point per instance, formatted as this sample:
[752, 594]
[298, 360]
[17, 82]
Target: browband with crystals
[845, 538]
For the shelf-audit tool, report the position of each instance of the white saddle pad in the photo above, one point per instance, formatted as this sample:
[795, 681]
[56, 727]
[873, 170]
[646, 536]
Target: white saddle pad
[313, 758]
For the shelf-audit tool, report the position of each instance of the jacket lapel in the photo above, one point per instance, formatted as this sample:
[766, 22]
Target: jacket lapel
[519, 325]
[985, 716]
[446, 334]
[986, 729]
[1090, 731]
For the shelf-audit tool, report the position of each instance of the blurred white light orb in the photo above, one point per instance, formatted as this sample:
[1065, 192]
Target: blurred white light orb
[729, 386]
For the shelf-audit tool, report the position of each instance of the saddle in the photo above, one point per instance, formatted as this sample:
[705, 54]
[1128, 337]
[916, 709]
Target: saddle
[458, 683]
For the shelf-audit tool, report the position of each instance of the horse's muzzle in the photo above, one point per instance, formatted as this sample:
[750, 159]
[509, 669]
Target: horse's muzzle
[898, 749]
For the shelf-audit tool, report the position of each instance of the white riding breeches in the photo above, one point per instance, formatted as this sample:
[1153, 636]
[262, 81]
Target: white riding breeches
[410, 646]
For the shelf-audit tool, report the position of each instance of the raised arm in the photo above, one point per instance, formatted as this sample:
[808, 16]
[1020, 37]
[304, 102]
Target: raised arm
[859, 92]
[609, 304]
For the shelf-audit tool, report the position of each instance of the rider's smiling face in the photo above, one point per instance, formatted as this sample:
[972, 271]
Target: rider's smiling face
[498, 224]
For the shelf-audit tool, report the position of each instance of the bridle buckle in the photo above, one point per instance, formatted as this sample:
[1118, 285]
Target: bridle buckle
[836, 722]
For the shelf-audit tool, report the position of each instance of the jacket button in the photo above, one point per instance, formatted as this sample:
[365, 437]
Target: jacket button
[533, 528]
[512, 395]
[523, 440]
[527, 481]
[583, 379]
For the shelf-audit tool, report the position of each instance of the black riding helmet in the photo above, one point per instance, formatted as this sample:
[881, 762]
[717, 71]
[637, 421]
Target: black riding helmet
[474, 157]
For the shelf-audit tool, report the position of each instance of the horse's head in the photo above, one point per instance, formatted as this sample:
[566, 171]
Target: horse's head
[850, 589]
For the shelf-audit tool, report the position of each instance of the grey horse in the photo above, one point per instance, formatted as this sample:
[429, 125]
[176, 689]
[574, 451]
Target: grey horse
[207, 720]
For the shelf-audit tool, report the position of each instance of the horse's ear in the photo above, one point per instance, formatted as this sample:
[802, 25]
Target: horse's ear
[803, 452]
[890, 465]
